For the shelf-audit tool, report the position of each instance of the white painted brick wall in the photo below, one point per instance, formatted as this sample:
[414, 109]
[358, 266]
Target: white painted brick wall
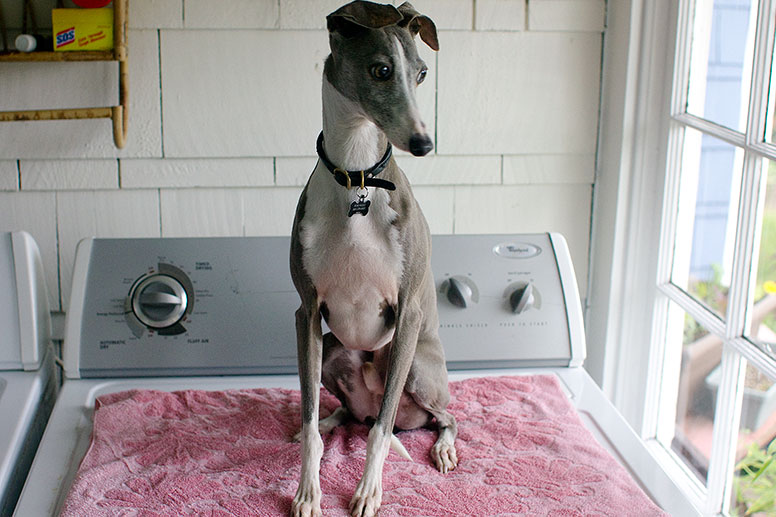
[188, 172]
[264, 100]
[156, 14]
[542, 97]
[269, 211]
[225, 106]
[201, 212]
[9, 175]
[438, 205]
[69, 174]
[231, 14]
[447, 14]
[549, 169]
[567, 15]
[500, 15]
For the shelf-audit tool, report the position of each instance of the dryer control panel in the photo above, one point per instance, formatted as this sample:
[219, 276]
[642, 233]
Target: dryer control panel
[507, 300]
[218, 306]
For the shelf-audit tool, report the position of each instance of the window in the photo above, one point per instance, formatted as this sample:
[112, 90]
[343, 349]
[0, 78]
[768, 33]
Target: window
[710, 407]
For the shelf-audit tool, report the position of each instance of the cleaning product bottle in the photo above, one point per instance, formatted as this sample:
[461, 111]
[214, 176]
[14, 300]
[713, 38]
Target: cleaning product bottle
[32, 42]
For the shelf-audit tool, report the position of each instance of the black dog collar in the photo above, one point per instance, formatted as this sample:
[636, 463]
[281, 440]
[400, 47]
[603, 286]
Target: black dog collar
[351, 179]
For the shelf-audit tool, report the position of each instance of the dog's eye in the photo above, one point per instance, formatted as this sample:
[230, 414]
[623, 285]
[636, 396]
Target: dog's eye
[381, 72]
[422, 75]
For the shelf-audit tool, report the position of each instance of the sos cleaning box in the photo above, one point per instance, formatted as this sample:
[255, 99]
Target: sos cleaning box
[82, 29]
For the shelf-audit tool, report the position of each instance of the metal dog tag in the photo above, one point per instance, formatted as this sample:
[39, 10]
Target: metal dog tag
[361, 206]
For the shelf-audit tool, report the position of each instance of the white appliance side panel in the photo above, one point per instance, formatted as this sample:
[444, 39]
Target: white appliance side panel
[10, 350]
[34, 315]
[26, 400]
[574, 315]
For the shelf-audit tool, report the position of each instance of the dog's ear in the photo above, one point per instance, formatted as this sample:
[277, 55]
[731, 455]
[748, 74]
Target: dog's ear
[418, 23]
[350, 19]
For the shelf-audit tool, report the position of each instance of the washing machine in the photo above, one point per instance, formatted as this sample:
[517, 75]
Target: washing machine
[28, 380]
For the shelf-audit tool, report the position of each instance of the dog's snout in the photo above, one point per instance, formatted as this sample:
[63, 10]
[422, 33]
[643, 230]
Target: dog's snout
[420, 145]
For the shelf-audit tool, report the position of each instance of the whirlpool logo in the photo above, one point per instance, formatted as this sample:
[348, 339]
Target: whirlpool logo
[65, 37]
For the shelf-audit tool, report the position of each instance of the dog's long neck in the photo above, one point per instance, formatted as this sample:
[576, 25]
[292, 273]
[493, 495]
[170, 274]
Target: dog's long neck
[350, 139]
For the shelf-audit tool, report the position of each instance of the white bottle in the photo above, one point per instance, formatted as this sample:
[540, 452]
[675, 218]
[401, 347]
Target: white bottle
[29, 43]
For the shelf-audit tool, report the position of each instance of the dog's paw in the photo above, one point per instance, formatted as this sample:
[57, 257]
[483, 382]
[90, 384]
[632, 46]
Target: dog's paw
[306, 503]
[444, 455]
[366, 501]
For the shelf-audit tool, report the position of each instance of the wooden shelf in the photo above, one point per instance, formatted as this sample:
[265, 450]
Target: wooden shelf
[118, 114]
[26, 57]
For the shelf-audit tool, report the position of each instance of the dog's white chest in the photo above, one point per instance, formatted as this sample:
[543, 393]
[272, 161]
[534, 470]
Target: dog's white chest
[355, 263]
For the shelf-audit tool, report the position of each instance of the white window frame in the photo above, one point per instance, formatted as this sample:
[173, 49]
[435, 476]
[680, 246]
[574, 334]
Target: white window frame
[640, 146]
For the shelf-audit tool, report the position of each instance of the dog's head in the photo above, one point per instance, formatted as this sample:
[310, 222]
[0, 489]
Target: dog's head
[374, 62]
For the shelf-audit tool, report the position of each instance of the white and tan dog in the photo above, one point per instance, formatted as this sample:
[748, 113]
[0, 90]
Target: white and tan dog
[360, 254]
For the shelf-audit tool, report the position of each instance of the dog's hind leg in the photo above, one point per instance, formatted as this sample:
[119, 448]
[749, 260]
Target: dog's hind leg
[326, 425]
[427, 384]
[337, 417]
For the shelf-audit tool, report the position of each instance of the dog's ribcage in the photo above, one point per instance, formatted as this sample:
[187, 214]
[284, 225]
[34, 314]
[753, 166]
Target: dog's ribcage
[355, 263]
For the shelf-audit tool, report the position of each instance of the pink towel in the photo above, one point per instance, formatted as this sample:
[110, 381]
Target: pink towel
[522, 451]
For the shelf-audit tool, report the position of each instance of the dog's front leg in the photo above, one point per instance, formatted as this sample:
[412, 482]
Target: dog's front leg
[307, 502]
[369, 492]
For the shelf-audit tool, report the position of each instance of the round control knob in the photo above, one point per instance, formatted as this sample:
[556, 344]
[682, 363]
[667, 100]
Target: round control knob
[159, 301]
[522, 298]
[460, 291]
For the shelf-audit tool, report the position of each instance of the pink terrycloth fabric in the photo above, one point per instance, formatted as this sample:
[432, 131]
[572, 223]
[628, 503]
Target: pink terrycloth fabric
[522, 451]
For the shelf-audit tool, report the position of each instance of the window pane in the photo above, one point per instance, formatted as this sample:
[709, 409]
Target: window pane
[770, 127]
[697, 392]
[763, 330]
[708, 204]
[721, 61]
[754, 481]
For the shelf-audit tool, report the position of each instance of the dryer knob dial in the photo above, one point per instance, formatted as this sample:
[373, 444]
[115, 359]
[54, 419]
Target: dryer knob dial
[522, 298]
[460, 292]
[159, 301]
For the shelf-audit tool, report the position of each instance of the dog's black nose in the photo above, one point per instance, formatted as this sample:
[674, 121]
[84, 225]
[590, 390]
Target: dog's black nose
[420, 145]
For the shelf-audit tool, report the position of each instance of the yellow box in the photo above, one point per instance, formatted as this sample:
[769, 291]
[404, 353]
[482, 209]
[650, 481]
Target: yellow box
[82, 29]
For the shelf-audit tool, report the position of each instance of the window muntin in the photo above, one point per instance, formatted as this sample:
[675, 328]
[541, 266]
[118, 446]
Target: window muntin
[733, 125]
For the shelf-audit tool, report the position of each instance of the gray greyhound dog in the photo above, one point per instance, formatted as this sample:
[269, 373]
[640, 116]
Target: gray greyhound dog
[360, 255]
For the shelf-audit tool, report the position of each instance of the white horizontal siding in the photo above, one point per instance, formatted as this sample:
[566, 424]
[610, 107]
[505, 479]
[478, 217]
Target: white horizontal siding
[187, 173]
[567, 15]
[69, 174]
[542, 97]
[225, 107]
[9, 175]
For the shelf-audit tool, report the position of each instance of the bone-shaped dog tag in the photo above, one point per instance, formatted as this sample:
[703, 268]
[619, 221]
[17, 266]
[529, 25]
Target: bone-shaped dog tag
[359, 207]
